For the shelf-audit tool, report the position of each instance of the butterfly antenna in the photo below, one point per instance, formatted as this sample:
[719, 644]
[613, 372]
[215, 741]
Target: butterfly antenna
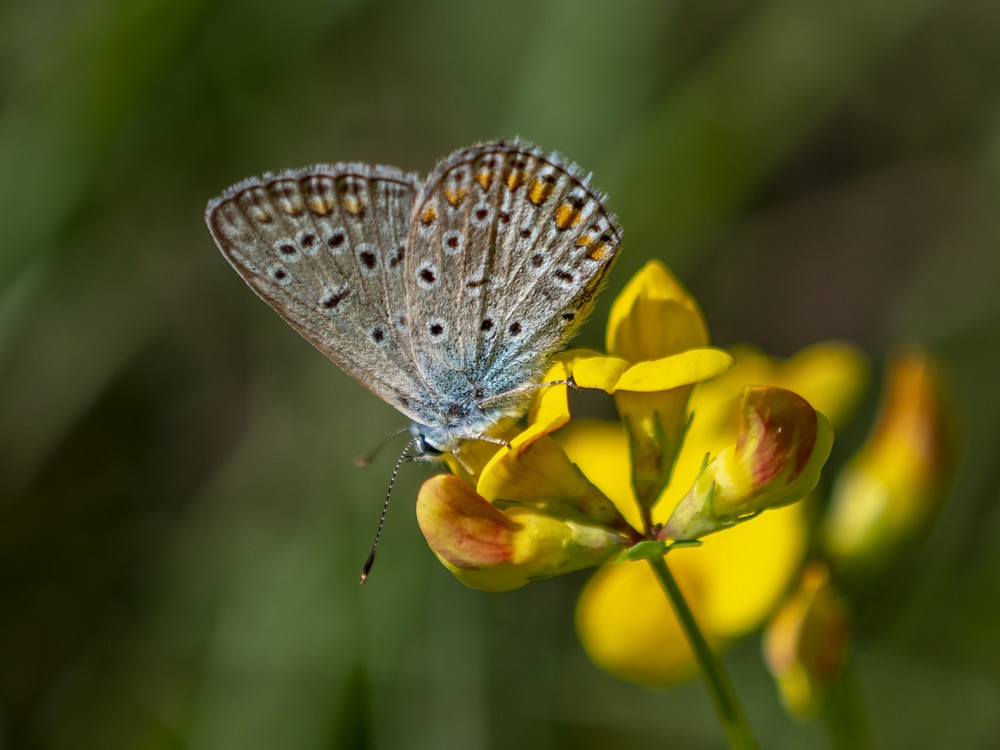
[385, 509]
[365, 460]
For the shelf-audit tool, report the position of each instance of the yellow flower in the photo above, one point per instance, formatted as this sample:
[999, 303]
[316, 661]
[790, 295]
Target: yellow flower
[892, 490]
[546, 517]
[805, 644]
[559, 501]
[734, 580]
[657, 342]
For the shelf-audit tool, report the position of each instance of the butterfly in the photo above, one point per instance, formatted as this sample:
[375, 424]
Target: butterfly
[445, 296]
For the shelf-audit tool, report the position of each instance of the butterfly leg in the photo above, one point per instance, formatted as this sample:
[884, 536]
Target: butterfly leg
[530, 387]
[457, 453]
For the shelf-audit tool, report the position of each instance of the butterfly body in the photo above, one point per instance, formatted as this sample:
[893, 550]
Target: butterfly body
[446, 297]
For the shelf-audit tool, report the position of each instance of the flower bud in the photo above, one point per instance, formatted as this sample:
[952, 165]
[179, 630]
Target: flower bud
[781, 446]
[891, 491]
[806, 642]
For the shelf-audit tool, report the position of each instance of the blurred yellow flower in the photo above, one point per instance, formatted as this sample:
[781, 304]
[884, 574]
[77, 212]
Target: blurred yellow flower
[893, 488]
[805, 644]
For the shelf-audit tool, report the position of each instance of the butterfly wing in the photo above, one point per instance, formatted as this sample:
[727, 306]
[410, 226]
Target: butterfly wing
[325, 248]
[517, 243]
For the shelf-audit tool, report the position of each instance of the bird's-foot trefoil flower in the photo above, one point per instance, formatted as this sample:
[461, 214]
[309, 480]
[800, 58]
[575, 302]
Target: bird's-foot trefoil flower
[564, 498]
[736, 578]
[805, 644]
[891, 492]
[704, 442]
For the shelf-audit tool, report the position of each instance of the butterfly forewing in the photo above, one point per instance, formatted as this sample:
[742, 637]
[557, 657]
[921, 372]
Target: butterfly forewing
[509, 247]
[325, 247]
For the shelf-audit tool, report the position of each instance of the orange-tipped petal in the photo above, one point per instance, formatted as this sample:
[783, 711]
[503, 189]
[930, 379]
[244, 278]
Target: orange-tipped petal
[491, 549]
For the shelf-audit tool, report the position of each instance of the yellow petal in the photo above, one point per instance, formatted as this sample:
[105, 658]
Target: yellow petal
[691, 366]
[732, 582]
[654, 317]
[627, 628]
[750, 567]
[550, 409]
[598, 371]
[600, 448]
[540, 475]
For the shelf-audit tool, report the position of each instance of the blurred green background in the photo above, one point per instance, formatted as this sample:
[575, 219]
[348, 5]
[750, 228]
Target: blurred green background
[181, 526]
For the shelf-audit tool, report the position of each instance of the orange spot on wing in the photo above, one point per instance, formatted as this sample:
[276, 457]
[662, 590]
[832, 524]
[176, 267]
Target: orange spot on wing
[514, 179]
[485, 179]
[354, 206]
[597, 251]
[320, 206]
[539, 191]
[584, 240]
[428, 215]
[567, 216]
[455, 195]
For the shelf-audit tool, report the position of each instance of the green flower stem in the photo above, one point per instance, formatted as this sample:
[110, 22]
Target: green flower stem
[734, 721]
[844, 715]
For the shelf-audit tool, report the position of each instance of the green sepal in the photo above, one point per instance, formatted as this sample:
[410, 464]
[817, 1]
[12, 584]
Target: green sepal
[649, 549]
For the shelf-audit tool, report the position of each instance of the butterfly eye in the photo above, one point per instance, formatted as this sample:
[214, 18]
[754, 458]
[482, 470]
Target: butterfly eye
[425, 448]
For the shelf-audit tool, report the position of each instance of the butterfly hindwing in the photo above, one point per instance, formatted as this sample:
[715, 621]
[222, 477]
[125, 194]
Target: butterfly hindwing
[509, 248]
